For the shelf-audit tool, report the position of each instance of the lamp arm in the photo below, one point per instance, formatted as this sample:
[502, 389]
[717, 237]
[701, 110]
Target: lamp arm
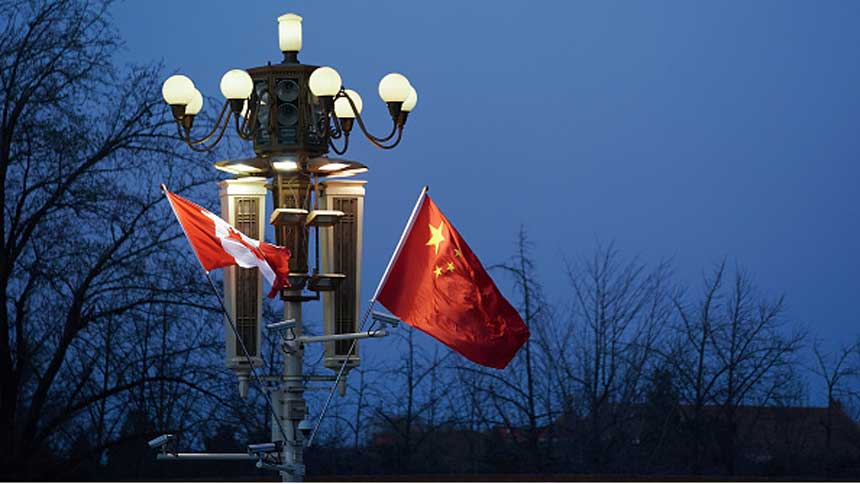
[248, 129]
[329, 126]
[240, 130]
[199, 145]
[338, 128]
[393, 144]
[379, 142]
[361, 125]
[391, 134]
[345, 144]
[245, 131]
[187, 136]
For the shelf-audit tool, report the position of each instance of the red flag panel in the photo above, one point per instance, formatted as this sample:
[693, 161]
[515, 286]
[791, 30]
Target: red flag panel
[438, 285]
[200, 231]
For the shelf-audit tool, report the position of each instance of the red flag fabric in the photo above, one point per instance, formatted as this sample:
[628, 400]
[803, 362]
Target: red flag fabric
[218, 244]
[436, 284]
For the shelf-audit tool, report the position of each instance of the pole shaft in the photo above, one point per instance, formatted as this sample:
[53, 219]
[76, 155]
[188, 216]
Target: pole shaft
[293, 401]
[379, 333]
[207, 456]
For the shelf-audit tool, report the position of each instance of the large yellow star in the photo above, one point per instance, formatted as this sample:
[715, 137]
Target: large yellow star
[436, 236]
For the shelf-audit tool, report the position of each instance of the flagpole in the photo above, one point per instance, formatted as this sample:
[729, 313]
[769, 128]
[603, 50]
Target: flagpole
[399, 247]
[367, 313]
[339, 375]
[247, 356]
[230, 320]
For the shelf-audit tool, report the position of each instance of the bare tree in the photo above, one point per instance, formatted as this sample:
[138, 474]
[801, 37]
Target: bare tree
[407, 406]
[468, 411]
[735, 348]
[618, 312]
[346, 421]
[839, 370]
[88, 247]
[520, 398]
[524, 386]
[696, 372]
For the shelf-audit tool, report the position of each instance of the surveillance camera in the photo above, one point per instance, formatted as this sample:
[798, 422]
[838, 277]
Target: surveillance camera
[267, 448]
[386, 319]
[160, 441]
[305, 427]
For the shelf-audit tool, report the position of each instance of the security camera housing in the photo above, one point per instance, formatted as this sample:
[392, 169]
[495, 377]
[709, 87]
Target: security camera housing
[160, 441]
[288, 324]
[386, 318]
[266, 448]
[305, 427]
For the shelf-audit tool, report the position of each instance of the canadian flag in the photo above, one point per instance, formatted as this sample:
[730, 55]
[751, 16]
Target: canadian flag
[219, 244]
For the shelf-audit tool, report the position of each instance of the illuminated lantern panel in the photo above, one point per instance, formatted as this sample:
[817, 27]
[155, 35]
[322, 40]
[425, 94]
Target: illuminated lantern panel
[243, 205]
[341, 253]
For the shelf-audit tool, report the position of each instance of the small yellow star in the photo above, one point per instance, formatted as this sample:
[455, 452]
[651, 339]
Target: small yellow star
[437, 271]
[457, 253]
[436, 236]
[450, 267]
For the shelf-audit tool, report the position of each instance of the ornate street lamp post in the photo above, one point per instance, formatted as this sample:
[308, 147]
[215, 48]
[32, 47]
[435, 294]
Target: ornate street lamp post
[294, 114]
[288, 108]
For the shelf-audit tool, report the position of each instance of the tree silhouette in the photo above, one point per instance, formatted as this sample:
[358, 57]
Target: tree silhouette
[89, 256]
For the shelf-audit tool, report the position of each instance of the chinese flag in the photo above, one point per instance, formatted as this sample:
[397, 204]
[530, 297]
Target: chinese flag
[435, 283]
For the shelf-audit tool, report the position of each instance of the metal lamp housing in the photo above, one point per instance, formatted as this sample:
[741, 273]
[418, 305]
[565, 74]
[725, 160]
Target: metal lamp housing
[292, 191]
[289, 116]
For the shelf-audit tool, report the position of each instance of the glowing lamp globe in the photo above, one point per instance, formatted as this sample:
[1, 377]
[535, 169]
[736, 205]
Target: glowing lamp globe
[325, 81]
[177, 90]
[290, 32]
[394, 88]
[236, 84]
[411, 100]
[342, 108]
[195, 105]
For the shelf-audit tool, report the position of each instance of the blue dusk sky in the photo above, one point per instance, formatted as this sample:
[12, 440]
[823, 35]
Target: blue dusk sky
[688, 130]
